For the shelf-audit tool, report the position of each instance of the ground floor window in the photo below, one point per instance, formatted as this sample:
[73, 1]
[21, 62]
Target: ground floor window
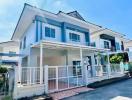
[77, 68]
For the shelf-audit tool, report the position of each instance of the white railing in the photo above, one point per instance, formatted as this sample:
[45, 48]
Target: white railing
[115, 68]
[54, 79]
[64, 77]
[29, 75]
[105, 72]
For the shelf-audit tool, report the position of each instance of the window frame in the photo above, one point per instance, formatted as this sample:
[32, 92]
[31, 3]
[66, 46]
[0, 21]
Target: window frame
[118, 46]
[74, 37]
[24, 42]
[106, 45]
[12, 52]
[50, 33]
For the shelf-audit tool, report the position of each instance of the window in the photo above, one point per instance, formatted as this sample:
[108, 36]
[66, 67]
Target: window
[77, 68]
[24, 43]
[106, 44]
[20, 44]
[74, 37]
[49, 32]
[11, 53]
[117, 46]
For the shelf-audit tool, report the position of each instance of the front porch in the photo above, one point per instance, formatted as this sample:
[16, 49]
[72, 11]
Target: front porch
[52, 68]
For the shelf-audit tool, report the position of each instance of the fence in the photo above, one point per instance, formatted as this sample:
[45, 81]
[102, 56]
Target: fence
[30, 75]
[105, 72]
[115, 68]
[64, 77]
[58, 78]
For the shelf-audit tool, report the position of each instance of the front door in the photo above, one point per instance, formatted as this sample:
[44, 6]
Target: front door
[88, 65]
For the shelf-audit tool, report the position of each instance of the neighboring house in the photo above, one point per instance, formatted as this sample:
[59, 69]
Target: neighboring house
[8, 53]
[128, 45]
[57, 52]
[106, 38]
[128, 48]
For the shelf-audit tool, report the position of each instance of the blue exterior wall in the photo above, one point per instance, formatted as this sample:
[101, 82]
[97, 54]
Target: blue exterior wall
[63, 26]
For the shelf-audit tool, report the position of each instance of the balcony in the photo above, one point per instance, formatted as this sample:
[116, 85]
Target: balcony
[92, 44]
[112, 48]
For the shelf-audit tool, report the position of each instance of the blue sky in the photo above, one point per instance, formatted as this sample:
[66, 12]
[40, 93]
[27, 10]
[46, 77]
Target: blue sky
[113, 14]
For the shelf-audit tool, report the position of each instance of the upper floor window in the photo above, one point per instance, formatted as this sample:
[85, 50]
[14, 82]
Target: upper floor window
[20, 44]
[11, 53]
[117, 46]
[24, 43]
[49, 32]
[74, 37]
[106, 45]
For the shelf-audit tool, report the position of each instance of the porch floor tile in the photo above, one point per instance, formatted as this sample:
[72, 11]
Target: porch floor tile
[70, 92]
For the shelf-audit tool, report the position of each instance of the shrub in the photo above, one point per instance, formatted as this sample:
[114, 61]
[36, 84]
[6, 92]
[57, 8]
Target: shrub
[3, 69]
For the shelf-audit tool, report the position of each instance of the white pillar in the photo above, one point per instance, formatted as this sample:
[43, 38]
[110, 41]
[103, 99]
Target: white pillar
[81, 56]
[93, 65]
[15, 83]
[109, 69]
[41, 63]
[46, 78]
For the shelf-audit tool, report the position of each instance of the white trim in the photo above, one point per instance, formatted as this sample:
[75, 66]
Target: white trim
[68, 45]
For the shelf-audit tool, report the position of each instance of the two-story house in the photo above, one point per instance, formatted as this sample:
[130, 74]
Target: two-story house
[106, 38]
[9, 53]
[128, 48]
[56, 50]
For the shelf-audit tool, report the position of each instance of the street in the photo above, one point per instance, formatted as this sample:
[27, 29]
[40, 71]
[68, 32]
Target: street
[113, 91]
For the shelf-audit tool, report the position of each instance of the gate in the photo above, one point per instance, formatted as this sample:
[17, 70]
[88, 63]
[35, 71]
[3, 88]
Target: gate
[64, 77]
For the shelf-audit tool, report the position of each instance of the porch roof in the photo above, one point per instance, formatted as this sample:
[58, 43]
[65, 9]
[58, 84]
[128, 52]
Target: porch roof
[50, 44]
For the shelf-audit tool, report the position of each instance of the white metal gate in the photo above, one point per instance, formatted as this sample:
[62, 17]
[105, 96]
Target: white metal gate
[64, 77]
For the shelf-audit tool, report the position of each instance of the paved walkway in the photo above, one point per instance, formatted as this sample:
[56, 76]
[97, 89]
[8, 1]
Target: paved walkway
[117, 91]
[68, 93]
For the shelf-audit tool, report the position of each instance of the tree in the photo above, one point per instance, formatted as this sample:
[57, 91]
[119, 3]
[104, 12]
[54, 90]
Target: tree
[116, 58]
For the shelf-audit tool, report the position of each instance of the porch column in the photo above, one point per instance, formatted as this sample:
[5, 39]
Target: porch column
[41, 63]
[81, 57]
[93, 65]
[46, 78]
[109, 69]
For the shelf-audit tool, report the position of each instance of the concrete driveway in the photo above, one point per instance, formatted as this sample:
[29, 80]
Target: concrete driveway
[117, 91]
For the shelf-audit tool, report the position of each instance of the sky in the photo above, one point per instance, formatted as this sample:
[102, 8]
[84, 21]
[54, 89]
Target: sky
[112, 14]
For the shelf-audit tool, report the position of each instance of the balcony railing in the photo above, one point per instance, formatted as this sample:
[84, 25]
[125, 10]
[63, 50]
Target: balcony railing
[112, 48]
[92, 44]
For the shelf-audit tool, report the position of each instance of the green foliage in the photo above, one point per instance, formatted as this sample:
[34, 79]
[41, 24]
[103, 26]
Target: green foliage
[116, 58]
[3, 69]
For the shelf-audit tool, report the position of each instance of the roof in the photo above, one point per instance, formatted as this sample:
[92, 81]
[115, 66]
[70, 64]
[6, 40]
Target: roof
[26, 19]
[29, 12]
[9, 43]
[76, 15]
[109, 31]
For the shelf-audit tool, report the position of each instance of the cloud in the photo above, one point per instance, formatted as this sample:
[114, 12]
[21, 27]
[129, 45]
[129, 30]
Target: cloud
[10, 11]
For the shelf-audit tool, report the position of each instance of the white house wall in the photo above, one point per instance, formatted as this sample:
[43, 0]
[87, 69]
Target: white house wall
[30, 35]
[96, 39]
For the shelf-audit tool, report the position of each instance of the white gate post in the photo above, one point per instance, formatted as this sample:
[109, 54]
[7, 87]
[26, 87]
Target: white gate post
[57, 77]
[15, 83]
[46, 78]
[109, 69]
[41, 63]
